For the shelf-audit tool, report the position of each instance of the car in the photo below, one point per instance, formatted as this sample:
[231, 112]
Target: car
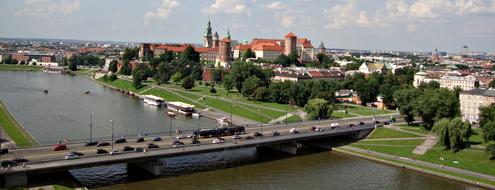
[257, 134]
[352, 125]
[217, 141]
[249, 137]
[177, 144]
[275, 133]
[386, 123]
[92, 143]
[59, 147]
[361, 123]
[128, 148]
[101, 151]
[181, 137]
[140, 139]
[195, 141]
[318, 129]
[334, 125]
[4, 151]
[20, 160]
[151, 145]
[293, 131]
[77, 153]
[139, 149]
[71, 156]
[8, 163]
[377, 122]
[156, 139]
[236, 137]
[121, 140]
[190, 136]
[114, 152]
[103, 144]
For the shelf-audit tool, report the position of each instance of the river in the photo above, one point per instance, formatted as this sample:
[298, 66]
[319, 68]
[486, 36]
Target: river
[64, 113]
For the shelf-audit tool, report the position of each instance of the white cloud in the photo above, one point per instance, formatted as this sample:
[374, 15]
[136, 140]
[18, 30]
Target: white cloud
[277, 5]
[430, 9]
[163, 11]
[346, 15]
[292, 18]
[45, 8]
[396, 8]
[228, 6]
[474, 6]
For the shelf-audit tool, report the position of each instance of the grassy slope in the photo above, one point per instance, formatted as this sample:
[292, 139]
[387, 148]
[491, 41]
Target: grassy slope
[20, 67]
[13, 129]
[404, 149]
[389, 133]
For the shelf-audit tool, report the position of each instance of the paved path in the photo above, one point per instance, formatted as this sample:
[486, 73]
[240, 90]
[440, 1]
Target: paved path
[419, 162]
[281, 118]
[429, 143]
[395, 139]
[402, 130]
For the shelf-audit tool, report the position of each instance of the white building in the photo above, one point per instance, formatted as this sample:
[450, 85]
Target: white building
[471, 101]
[450, 82]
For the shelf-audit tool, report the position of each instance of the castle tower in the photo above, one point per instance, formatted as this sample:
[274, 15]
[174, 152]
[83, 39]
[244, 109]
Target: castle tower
[216, 40]
[223, 57]
[290, 43]
[228, 34]
[322, 48]
[207, 38]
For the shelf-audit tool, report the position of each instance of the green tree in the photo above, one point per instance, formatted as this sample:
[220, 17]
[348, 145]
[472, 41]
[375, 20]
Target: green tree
[294, 59]
[190, 54]
[261, 94]
[137, 78]
[176, 77]
[73, 66]
[113, 66]
[283, 60]
[406, 99]
[318, 109]
[487, 122]
[434, 104]
[188, 83]
[126, 69]
[490, 149]
[228, 82]
[453, 134]
[248, 54]
[217, 75]
[491, 84]
[249, 86]
[165, 70]
[130, 54]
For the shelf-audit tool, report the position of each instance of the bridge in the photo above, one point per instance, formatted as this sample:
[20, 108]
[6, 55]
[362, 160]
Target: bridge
[43, 160]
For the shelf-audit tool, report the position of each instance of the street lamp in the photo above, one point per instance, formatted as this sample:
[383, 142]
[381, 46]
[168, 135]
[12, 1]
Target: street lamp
[231, 108]
[112, 134]
[170, 127]
[261, 125]
[91, 127]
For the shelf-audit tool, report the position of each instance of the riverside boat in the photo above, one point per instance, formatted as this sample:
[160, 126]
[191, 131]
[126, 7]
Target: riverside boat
[181, 107]
[153, 100]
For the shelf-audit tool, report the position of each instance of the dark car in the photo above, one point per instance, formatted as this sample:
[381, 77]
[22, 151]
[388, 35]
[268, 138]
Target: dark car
[101, 151]
[8, 163]
[59, 147]
[20, 160]
[157, 139]
[139, 149]
[249, 137]
[140, 139]
[4, 151]
[257, 134]
[93, 143]
[377, 122]
[103, 144]
[177, 143]
[275, 133]
[195, 141]
[361, 123]
[77, 153]
[122, 140]
[128, 148]
[151, 145]
[386, 123]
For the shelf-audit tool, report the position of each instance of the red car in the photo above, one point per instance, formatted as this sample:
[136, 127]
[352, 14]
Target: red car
[59, 147]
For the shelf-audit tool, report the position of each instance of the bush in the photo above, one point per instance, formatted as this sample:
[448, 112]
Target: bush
[213, 90]
[112, 77]
[490, 149]
[200, 82]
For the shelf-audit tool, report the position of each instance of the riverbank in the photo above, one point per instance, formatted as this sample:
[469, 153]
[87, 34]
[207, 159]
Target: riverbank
[14, 130]
[396, 146]
[6, 67]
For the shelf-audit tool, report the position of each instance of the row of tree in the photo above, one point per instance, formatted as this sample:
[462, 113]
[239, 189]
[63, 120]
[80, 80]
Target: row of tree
[487, 124]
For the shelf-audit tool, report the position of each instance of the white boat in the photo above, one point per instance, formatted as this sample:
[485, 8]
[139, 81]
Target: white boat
[153, 100]
[181, 107]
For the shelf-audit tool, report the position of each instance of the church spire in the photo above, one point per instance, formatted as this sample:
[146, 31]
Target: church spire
[228, 33]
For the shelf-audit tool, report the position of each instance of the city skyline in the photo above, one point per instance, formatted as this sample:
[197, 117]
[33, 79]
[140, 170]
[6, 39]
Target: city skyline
[385, 25]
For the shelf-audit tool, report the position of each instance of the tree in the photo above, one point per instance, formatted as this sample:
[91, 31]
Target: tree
[112, 77]
[487, 122]
[261, 94]
[283, 60]
[137, 78]
[318, 109]
[294, 59]
[176, 77]
[165, 70]
[491, 84]
[429, 85]
[113, 66]
[73, 66]
[249, 86]
[406, 99]
[228, 82]
[217, 75]
[434, 104]
[213, 90]
[248, 54]
[453, 134]
[490, 149]
[126, 68]
[190, 54]
[130, 54]
[188, 83]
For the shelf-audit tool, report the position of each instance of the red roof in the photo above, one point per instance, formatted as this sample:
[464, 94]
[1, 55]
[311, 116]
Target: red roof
[290, 34]
[305, 42]
[181, 48]
[242, 47]
[266, 47]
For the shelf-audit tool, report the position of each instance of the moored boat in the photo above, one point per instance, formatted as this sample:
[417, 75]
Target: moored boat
[153, 100]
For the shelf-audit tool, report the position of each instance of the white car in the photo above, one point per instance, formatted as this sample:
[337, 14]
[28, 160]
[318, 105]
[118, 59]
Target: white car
[181, 137]
[71, 156]
[318, 129]
[236, 137]
[217, 141]
[293, 131]
[334, 125]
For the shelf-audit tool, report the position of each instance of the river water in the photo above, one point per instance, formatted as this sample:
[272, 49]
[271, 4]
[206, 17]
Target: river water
[64, 113]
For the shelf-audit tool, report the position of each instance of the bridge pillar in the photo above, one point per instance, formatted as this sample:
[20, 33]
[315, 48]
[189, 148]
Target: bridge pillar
[289, 148]
[16, 180]
[153, 167]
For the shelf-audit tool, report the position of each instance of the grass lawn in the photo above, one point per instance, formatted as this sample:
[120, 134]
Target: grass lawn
[124, 84]
[341, 114]
[236, 110]
[293, 118]
[361, 110]
[404, 148]
[20, 67]
[413, 128]
[13, 129]
[170, 97]
[389, 133]
[469, 159]
[477, 137]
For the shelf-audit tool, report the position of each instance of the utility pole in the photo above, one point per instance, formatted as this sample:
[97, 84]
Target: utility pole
[112, 135]
[91, 128]
[170, 127]
[231, 106]
[261, 125]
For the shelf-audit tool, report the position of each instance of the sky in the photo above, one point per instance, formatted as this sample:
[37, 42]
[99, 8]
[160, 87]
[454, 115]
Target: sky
[404, 25]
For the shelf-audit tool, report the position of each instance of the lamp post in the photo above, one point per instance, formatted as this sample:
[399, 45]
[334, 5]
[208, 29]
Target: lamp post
[261, 125]
[112, 134]
[170, 127]
[91, 127]
[231, 108]
[286, 113]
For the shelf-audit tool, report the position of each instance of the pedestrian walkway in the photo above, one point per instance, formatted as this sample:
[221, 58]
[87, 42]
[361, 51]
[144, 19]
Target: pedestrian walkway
[281, 119]
[430, 142]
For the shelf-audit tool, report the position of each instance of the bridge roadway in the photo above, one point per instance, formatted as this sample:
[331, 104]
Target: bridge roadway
[42, 159]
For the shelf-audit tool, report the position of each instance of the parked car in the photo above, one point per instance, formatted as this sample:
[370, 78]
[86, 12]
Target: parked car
[140, 139]
[177, 144]
[20, 160]
[275, 133]
[121, 140]
[257, 134]
[218, 141]
[103, 144]
[77, 153]
[8, 163]
[93, 143]
[293, 131]
[4, 151]
[151, 145]
[71, 156]
[128, 148]
[59, 147]
[101, 151]
[195, 141]
[157, 139]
